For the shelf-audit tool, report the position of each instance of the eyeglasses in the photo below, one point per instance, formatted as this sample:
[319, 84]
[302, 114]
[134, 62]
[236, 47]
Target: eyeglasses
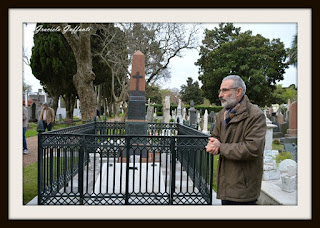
[224, 90]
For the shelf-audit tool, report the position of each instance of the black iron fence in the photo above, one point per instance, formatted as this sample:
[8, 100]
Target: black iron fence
[97, 164]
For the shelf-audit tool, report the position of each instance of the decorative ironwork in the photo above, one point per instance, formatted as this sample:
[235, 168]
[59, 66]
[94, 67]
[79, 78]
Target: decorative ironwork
[100, 164]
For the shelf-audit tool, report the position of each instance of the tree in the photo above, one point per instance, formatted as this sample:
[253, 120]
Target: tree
[293, 51]
[153, 92]
[191, 91]
[53, 64]
[173, 93]
[160, 42]
[282, 94]
[259, 61]
[84, 76]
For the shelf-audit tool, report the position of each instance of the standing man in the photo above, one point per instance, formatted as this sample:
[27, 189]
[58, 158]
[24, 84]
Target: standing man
[47, 115]
[25, 124]
[239, 138]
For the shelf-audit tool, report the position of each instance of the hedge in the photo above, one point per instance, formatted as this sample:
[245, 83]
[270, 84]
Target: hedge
[216, 109]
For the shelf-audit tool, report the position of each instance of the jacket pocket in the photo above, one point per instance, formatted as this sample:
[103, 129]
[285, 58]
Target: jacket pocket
[244, 178]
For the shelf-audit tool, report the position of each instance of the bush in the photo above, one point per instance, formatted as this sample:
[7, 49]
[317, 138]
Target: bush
[276, 141]
[282, 156]
[171, 120]
[159, 113]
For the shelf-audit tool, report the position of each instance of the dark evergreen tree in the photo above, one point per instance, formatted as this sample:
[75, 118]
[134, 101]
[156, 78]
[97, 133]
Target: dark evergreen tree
[259, 61]
[53, 63]
[191, 91]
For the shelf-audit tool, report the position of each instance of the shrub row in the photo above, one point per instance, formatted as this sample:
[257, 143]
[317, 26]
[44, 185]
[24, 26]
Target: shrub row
[216, 109]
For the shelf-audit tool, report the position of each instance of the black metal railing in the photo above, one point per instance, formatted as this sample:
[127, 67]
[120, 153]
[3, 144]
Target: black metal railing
[99, 164]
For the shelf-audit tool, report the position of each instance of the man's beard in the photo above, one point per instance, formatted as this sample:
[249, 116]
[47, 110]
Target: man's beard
[229, 102]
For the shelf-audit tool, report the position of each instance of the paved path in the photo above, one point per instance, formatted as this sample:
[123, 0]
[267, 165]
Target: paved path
[32, 156]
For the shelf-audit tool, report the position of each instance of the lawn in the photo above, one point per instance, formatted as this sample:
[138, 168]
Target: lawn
[32, 129]
[30, 178]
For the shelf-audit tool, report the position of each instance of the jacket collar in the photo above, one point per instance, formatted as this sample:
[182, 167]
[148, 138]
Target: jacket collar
[242, 112]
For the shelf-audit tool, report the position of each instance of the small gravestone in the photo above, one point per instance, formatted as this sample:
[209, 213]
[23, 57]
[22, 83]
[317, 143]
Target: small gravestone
[179, 112]
[166, 109]
[149, 112]
[205, 122]
[183, 114]
[192, 114]
[211, 117]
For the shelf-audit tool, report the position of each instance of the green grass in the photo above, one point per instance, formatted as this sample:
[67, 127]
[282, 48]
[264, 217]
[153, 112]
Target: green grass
[30, 186]
[276, 146]
[215, 165]
[32, 130]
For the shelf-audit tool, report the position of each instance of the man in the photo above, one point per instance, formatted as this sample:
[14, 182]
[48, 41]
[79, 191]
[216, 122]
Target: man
[25, 124]
[239, 138]
[47, 115]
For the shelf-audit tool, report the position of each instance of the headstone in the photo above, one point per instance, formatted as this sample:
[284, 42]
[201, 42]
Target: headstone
[280, 118]
[211, 117]
[205, 122]
[174, 116]
[292, 131]
[292, 148]
[149, 112]
[166, 109]
[33, 112]
[179, 113]
[192, 114]
[183, 114]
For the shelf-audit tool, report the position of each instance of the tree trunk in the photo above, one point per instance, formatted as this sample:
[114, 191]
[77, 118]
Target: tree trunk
[83, 79]
[55, 104]
[99, 98]
[69, 102]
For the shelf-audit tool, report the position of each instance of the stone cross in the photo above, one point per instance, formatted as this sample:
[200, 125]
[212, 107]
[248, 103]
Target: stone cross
[137, 77]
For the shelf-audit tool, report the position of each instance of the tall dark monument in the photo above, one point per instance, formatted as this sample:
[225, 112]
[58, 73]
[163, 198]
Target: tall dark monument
[136, 123]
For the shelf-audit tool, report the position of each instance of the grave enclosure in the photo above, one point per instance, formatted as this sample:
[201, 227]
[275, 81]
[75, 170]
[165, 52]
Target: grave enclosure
[91, 164]
[134, 162]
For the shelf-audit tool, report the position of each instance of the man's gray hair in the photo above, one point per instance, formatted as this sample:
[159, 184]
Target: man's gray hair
[237, 82]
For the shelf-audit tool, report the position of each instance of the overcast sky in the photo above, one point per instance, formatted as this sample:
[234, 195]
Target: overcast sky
[182, 68]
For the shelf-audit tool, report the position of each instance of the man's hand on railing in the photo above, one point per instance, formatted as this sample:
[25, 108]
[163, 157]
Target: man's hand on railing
[213, 146]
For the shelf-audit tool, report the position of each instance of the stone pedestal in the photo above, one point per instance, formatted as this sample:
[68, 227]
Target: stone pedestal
[269, 134]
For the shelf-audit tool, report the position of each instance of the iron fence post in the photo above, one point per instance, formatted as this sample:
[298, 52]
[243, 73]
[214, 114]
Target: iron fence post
[211, 177]
[39, 168]
[81, 161]
[128, 139]
[173, 169]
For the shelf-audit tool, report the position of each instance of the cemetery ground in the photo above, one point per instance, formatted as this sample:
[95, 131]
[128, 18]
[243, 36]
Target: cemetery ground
[30, 164]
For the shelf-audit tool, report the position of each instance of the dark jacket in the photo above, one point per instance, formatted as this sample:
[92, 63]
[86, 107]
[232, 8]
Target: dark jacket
[240, 165]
